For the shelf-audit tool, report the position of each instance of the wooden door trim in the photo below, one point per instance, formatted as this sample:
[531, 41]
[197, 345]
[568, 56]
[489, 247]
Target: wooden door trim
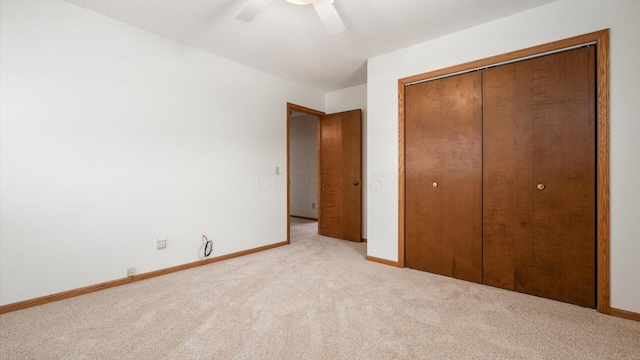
[601, 39]
[306, 110]
[293, 107]
[319, 172]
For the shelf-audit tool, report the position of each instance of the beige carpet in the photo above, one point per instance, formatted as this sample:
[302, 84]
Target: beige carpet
[314, 299]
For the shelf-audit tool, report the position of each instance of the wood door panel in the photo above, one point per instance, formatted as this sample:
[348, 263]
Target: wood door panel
[564, 161]
[539, 129]
[340, 201]
[444, 145]
[507, 202]
[424, 163]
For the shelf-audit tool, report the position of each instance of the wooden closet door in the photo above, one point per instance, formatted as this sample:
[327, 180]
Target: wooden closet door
[539, 176]
[443, 158]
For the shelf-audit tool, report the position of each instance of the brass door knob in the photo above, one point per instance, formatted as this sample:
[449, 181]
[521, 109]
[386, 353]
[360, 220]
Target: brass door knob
[356, 183]
[435, 184]
[540, 186]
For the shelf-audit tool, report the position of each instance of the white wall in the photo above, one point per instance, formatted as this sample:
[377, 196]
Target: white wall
[303, 162]
[350, 99]
[112, 136]
[555, 21]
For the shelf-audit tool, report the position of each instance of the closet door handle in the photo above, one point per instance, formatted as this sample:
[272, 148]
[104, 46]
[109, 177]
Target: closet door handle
[356, 183]
[540, 186]
[435, 184]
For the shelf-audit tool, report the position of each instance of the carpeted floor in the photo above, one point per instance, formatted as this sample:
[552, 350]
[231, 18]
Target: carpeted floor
[317, 298]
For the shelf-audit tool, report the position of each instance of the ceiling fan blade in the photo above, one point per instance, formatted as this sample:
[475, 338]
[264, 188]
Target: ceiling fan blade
[252, 9]
[329, 16]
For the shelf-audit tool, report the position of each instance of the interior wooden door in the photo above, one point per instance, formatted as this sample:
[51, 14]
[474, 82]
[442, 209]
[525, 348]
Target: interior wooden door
[443, 186]
[539, 176]
[340, 188]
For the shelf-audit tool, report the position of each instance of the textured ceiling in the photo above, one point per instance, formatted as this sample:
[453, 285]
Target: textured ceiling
[289, 41]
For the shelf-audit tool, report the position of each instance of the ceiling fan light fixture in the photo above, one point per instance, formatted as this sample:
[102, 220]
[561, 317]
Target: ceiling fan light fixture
[324, 8]
[302, 2]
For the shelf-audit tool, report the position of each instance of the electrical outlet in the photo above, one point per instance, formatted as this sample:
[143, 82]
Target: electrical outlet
[162, 244]
[131, 271]
[313, 205]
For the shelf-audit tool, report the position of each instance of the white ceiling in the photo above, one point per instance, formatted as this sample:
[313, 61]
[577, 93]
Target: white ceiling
[289, 41]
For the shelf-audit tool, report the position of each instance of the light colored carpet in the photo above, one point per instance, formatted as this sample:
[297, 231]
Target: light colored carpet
[317, 298]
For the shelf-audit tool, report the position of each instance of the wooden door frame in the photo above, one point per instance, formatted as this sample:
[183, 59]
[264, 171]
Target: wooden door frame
[601, 40]
[293, 107]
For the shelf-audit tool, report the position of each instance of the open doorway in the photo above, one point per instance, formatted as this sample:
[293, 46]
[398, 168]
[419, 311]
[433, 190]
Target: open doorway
[338, 165]
[302, 167]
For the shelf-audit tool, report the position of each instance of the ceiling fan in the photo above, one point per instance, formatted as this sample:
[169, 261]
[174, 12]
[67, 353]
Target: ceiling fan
[324, 8]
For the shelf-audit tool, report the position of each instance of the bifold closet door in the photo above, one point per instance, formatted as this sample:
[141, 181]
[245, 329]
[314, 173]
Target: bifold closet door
[539, 176]
[443, 176]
